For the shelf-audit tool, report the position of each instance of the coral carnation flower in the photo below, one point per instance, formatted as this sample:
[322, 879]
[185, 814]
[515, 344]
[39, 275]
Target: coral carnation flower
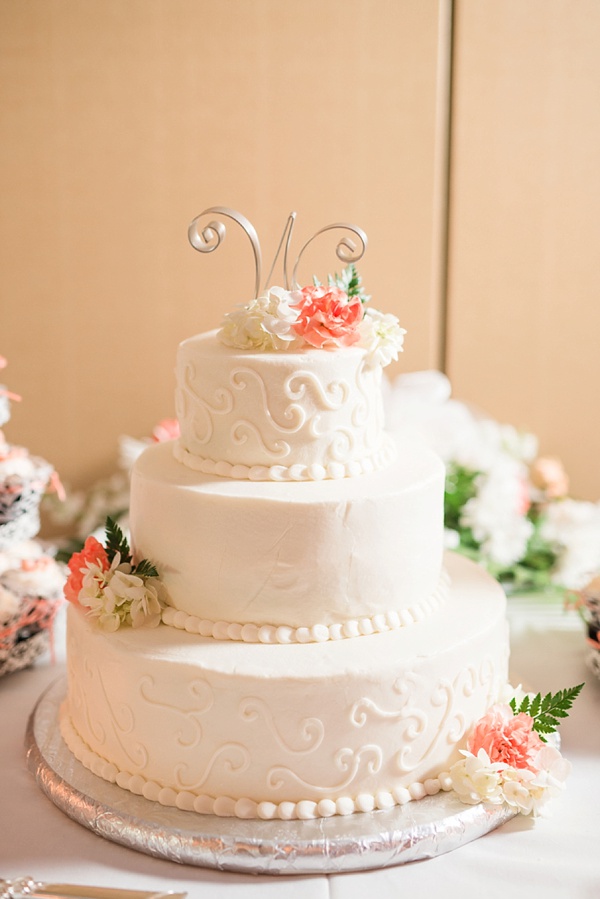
[506, 738]
[93, 552]
[327, 318]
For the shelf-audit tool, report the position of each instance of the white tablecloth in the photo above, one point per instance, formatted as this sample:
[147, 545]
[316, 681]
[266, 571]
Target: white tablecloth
[559, 854]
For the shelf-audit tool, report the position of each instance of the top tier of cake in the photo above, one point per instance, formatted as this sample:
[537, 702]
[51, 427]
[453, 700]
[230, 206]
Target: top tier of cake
[304, 414]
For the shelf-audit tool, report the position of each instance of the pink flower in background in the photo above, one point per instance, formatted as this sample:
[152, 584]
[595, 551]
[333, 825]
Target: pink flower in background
[327, 318]
[524, 500]
[167, 429]
[506, 738]
[549, 475]
[94, 553]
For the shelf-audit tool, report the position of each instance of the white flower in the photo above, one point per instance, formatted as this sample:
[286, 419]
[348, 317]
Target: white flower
[146, 609]
[517, 693]
[382, 336]
[477, 779]
[573, 528]
[496, 514]
[264, 323]
[516, 789]
[529, 791]
[118, 596]
[451, 538]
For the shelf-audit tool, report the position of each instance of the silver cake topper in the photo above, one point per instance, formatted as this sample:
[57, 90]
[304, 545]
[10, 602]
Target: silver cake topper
[208, 238]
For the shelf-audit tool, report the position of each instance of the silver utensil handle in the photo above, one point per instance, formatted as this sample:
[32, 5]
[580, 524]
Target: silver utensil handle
[27, 888]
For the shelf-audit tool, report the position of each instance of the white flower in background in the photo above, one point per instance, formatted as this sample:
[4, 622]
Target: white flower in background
[458, 433]
[264, 323]
[477, 779]
[496, 514]
[573, 528]
[382, 336]
[451, 539]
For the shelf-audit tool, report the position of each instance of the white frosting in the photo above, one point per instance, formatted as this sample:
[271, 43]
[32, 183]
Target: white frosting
[287, 731]
[301, 414]
[291, 554]
[318, 633]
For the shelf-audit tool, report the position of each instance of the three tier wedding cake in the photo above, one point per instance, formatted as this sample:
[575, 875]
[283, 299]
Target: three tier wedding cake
[286, 638]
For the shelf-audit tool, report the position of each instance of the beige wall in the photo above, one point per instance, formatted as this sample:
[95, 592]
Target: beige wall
[123, 119]
[524, 277]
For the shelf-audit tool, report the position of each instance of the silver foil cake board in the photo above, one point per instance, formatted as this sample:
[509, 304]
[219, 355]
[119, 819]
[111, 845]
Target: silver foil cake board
[419, 830]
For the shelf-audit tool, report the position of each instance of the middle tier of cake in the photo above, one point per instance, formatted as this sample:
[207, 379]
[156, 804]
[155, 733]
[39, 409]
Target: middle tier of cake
[308, 555]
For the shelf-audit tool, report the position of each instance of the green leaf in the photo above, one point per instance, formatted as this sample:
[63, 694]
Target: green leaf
[145, 569]
[116, 541]
[547, 711]
[350, 282]
[534, 708]
[460, 488]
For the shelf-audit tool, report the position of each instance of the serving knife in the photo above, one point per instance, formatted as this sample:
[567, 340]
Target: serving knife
[27, 888]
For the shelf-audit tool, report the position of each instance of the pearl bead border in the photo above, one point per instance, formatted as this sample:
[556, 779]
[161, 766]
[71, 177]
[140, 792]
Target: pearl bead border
[377, 460]
[390, 620]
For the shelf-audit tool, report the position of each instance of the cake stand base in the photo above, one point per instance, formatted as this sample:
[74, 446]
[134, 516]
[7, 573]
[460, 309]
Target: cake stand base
[359, 842]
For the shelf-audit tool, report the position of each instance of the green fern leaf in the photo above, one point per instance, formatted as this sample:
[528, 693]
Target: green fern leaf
[536, 705]
[145, 568]
[551, 708]
[116, 541]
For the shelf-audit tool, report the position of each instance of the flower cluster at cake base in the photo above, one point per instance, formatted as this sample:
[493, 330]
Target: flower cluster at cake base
[323, 317]
[115, 590]
[508, 761]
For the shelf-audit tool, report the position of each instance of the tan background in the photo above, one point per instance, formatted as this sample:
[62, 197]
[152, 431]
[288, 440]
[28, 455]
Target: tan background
[123, 119]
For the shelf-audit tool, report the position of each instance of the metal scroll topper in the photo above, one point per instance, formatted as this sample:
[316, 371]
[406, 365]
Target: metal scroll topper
[208, 238]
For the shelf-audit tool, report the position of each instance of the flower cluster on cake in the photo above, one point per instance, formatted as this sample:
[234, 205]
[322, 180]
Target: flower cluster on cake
[31, 581]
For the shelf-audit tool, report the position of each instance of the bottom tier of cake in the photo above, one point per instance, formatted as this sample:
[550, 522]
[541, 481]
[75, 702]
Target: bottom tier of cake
[296, 731]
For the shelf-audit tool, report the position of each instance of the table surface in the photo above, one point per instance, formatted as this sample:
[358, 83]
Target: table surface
[559, 853]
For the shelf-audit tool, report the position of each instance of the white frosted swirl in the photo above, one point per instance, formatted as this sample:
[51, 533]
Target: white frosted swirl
[188, 800]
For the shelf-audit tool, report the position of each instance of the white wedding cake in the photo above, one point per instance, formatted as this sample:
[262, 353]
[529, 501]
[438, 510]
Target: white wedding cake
[314, 651]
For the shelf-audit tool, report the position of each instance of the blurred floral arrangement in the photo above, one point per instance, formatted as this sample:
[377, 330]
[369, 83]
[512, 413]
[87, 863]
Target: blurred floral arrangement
[505, 506]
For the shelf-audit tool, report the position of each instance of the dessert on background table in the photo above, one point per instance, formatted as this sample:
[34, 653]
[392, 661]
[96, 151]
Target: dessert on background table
[31, 581]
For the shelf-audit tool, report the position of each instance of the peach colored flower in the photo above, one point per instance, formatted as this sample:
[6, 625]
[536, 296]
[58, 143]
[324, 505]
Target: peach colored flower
[524, 500]
[506, 738]
[548, 474]
[327, 318]
[167, 429]
[93, 552]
